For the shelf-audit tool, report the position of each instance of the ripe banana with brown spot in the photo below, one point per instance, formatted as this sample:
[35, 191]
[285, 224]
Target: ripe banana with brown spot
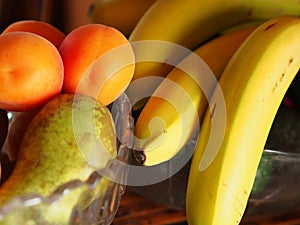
[180, 102]
[234, 130]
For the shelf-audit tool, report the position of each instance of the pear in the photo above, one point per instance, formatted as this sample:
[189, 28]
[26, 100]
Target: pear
[68, 139]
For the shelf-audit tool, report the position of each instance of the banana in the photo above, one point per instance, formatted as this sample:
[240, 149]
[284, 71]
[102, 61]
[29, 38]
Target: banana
[121, 14]
[236, 125]
[180, 102]
[192, 22]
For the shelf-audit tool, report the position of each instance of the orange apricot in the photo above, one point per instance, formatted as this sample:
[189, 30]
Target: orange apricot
[44, 29]
[98, 61]
[31, 71]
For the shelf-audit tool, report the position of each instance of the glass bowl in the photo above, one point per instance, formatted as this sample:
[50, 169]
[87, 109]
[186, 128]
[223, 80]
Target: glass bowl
[277, 184]
[99, 195]
[276, 190]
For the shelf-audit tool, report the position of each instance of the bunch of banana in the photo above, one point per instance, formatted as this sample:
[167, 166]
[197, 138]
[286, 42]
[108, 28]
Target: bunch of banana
[173, 113]
[234, 130]
[121, 14]
[192, 22]
[251, 48]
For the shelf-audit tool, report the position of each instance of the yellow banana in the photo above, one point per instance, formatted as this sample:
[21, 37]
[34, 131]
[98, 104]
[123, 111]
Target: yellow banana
[192, 22]
[180, 102]
[236, 125]
[121, 14]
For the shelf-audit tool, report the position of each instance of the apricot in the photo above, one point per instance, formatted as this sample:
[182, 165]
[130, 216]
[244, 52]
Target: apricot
[98, 61]
[31, 71]
[44, 29]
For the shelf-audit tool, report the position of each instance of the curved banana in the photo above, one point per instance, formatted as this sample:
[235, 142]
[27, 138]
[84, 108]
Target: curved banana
[180, 102]
[232, 138]
[121, 14]
[192, 22]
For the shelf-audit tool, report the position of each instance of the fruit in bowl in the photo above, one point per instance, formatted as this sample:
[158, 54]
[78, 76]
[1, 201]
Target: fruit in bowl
[54, 192]
[49, 154]
[67, 142]
[98, 61]
[31, 71]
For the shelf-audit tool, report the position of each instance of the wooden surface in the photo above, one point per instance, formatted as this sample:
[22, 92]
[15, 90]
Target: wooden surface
[137, 210]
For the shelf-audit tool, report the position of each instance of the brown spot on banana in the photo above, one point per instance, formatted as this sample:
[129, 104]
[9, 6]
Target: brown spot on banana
[139, 156]
[270, 26]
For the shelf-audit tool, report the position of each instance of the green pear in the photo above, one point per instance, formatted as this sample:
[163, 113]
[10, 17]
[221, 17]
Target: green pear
[68, 139]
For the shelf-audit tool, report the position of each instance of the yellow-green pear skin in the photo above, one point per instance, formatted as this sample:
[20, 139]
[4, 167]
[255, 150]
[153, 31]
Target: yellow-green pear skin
[50, 153]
